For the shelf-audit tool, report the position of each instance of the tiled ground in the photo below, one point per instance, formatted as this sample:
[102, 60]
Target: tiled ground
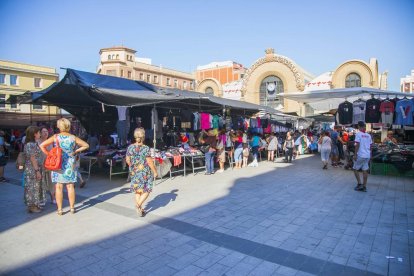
[277, 219]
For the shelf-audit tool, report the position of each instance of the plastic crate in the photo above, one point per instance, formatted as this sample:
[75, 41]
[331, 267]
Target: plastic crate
[379, 168]
[393, 171]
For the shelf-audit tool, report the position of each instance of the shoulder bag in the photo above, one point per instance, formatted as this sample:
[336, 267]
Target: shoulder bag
[53, 161]
[20, 161]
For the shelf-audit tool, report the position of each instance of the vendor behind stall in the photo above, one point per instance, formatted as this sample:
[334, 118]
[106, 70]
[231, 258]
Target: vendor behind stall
[390, 140]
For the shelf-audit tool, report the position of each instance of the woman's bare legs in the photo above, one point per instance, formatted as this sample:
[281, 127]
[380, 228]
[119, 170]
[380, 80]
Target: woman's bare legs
[71, 195]
[59, 195]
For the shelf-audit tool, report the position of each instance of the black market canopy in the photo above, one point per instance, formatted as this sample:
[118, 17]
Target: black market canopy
[92, 98]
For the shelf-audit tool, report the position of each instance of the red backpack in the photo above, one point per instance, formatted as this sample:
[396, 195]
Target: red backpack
[53, 160]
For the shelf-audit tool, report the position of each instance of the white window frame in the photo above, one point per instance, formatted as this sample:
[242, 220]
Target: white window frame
[168, 81]
[175, 83]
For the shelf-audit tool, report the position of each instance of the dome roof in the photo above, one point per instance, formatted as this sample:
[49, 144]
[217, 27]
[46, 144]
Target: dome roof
[321, 82]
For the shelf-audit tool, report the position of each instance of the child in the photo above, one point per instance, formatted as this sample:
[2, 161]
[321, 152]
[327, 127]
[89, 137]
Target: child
[245, 154]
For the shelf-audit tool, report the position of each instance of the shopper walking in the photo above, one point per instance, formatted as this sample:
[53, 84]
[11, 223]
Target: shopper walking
[67, 175]
[288, 147]
[363, 142]
[142, 170]
[271, 147]
[34, 188]
[325, 143]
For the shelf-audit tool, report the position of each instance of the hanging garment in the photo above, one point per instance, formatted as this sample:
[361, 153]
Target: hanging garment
[205, 120]
[345, 112]
[404, 110]
[387, 109]
[373, 114]
[359, 107]
[215, 121]
[196, 121]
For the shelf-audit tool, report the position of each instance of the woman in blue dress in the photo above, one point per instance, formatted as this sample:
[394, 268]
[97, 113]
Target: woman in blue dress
[141, 169]
[67, 175]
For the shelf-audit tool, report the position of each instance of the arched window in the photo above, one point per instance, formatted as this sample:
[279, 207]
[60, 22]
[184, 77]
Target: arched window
[109, 57]
[113, 56]
[270, 88]
[117, 56]
[353, 80]
[209, 91]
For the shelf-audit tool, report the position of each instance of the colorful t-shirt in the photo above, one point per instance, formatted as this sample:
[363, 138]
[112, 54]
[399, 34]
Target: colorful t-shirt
[404, 111]
[387, 112]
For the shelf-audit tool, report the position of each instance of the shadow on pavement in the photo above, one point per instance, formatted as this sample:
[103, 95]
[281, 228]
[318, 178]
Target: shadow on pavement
[161, 200]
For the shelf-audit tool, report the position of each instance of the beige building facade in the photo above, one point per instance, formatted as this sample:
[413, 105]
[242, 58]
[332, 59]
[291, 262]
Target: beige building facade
[122, 62]
[407, 83]
[16, 79]
[273, 74]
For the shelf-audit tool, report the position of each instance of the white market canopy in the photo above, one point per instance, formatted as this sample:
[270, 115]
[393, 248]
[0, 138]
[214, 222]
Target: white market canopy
[340, 93]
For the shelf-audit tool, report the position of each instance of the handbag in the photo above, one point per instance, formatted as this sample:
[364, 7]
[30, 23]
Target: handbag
[205, 148]
[20, 161]
[53, 161]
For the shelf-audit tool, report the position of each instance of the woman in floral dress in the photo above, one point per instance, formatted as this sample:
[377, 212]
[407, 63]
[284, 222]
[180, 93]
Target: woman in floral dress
[67, 175]
[34, 188]
[141, 169]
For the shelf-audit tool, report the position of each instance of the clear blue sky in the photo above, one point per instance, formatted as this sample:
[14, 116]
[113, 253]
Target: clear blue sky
[317, 35]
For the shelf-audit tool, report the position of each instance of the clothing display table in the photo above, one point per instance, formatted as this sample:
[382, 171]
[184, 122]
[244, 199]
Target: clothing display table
[197, 162]
[90, 160]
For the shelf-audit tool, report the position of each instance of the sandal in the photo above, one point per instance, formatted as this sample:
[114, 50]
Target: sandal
[140, 211]
[72, 211]
[82, 184]
[60, 212]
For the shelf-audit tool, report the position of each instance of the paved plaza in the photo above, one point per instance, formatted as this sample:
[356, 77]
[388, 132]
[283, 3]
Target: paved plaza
[277, 219]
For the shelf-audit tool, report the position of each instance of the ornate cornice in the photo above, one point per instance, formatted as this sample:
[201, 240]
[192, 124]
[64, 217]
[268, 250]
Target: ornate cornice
[273, 58]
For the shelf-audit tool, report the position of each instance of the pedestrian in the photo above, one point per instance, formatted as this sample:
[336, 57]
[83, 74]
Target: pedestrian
[334, 148]
[363, 142]
[271, 147]
[325, 143]
[46, 174]
[246, 154]
[34, 188]
[142, 170]
[68, 174]
[221, 151]
[255, 144]
[288, 147]
[237, 139]
[3, 159]
[209, 139]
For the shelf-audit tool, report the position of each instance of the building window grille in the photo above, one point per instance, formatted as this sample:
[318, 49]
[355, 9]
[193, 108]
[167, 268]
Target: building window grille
[353, 80]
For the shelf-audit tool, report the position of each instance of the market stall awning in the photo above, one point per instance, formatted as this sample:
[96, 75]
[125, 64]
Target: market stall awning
[340, 93]
[92, 98]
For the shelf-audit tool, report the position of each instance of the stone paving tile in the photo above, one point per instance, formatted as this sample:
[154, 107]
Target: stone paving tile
[189, 270]
[240, 269]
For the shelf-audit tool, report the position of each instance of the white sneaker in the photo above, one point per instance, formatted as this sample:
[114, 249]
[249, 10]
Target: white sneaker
[220, 171]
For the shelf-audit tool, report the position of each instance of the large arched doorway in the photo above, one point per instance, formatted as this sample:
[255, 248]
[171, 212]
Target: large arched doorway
[270, 88]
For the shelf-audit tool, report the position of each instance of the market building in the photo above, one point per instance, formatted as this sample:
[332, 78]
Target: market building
[17, 78]
[407, 83]
[274, 74]
[120, 61]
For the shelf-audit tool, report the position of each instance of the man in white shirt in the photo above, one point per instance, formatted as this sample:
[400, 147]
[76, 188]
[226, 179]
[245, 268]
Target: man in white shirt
[362, 156]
